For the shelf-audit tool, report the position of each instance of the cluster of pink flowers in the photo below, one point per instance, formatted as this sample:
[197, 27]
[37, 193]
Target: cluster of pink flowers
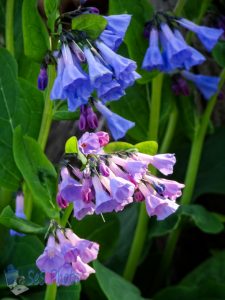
[66, 257]
[109, 182]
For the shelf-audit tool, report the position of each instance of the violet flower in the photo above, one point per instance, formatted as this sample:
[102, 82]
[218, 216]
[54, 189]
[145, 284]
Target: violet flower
[110, 182]
[66, 257]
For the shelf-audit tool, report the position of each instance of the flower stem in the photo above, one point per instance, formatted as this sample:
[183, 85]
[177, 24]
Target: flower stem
[155, 107]
[51, 292]
[142, 224]
[169, 131]
[66, 215]
[48, 110]
[190, 180]
[9, 26]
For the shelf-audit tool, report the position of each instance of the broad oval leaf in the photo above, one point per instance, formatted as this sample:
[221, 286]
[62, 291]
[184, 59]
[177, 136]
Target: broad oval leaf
[51, 8]
[71, 145]
[37, 171]
[20, 103]
[147, 147]
[117, 146]
[92, 24]
[9, 219]
[35, 34]
[9, 103]
[114, 286]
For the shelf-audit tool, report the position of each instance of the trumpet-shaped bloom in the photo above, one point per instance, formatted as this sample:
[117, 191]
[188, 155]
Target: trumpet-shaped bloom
[208, 36]
[177, 50]
[153, 58]
[115, 30]
[207, 85]
[117, 125]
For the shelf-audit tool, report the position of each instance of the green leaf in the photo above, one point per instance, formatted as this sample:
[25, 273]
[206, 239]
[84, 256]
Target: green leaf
[160, 228]
[206, 221]
[212, 172]
[147, 147]
[95, 229]
[137, 45]
[62, 113]
[212, 269]
[9, 103]
[114, 286]
[117, 146]
[51, 11]
[131, 106]
[28, 69]
[206, 282]
[20, 103]
[202, 218]
[29, 114]
[35, 34]
[92, 24]
[37, 171]
[9, 219]
[71, 145]
[219, 53]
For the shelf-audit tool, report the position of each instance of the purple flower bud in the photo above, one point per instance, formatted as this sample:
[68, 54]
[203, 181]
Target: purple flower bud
[61, 202]
[82, 123]
[103, 138]
[138, 196]
[103, 169]
[78, 52]
[221, 96]
[92, 119]
[180, 86]
[42, 79]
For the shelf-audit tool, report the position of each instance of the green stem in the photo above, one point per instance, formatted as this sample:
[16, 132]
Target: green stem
[169, 131]
[51, 291]
[137, 244]
[142, 224]
[155, 107]
[9, 26]
[190, 180]
[179, 7]
[197, 145]
[66, 215]
[48, 110]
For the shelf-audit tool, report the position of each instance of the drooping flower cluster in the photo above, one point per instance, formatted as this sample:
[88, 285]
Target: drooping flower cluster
[85, 67]
[65, 258]
[109, 182]
[168, 52]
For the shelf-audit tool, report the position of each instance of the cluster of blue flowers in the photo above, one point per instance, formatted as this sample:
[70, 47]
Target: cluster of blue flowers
[85, 67]
[168, 52]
